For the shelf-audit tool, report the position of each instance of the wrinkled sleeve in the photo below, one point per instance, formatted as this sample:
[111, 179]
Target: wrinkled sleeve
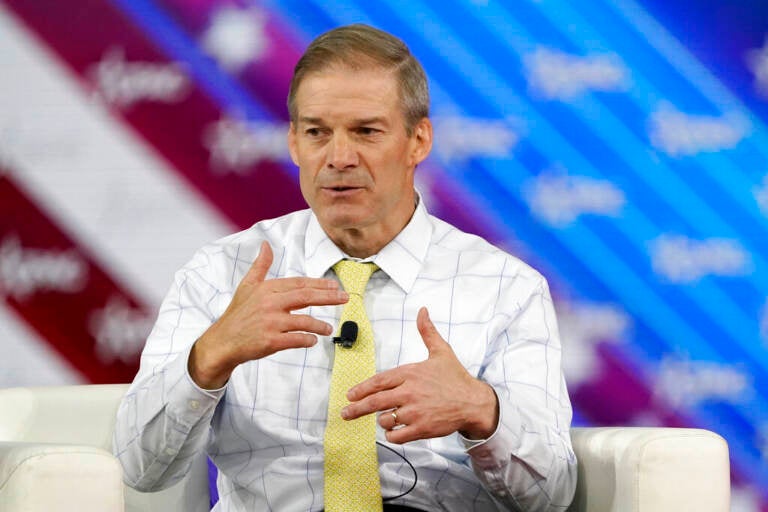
[528, 464]
[163, 422]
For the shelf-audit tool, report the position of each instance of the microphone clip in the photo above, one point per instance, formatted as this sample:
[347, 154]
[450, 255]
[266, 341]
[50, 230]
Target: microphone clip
[348, 334]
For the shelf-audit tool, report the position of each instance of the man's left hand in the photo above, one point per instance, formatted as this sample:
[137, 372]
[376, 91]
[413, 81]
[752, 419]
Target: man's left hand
[433, 398]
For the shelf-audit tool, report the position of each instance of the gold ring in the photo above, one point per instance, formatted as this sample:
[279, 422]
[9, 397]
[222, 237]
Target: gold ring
[394, 416]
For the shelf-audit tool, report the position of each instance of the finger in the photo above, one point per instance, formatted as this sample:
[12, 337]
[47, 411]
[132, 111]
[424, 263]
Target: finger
[404, 434]
[286, 284]
[304, 297]
[382, 401]
[306, 323]
[290, 340]
[277, 343]
[260, 266]
[388, 420]
[383, 381]
[432, 339]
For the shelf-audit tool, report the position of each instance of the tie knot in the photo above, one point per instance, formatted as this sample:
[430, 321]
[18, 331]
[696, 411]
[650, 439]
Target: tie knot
[353, 275]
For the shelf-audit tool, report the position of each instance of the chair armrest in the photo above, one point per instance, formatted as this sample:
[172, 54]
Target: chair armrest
[633, 469]
[40, 477]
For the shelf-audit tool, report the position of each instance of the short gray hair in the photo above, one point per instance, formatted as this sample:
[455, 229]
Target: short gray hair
[359, 46]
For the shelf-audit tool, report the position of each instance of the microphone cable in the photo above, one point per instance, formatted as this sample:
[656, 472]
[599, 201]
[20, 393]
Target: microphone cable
[415, 474]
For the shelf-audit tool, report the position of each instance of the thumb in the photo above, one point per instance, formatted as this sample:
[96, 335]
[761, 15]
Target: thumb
[260, 266]
[432, 339]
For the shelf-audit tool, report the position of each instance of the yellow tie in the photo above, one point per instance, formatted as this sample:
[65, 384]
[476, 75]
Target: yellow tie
[351, 464]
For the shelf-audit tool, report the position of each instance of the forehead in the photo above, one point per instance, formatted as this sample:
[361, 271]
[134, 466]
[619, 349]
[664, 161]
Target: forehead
[342, 91]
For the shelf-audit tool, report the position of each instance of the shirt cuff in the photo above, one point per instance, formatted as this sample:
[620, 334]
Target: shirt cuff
[494, 451]
[472, 443]
[188, 402]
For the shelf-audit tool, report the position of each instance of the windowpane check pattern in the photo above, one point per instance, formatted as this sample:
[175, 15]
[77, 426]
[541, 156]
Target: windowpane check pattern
[265, 429]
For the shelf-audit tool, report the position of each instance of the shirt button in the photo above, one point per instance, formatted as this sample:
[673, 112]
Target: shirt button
[170, 451]
[194, 405]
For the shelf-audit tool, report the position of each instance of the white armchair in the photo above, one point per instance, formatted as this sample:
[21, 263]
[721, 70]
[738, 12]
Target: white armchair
[635, 469]
[55, 454]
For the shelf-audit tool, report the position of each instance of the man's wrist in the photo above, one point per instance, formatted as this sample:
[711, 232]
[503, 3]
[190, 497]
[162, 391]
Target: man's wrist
[201, 366]
[484, 419]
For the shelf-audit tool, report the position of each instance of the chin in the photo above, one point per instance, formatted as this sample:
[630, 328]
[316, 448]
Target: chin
[343, 222]
[343, 219]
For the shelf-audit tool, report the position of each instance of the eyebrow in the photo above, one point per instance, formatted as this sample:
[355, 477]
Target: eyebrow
[357, 122]
[310, 120]
[370, 120]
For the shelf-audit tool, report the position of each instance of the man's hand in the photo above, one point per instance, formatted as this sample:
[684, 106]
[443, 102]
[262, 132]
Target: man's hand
[430, 399]
[258, 322]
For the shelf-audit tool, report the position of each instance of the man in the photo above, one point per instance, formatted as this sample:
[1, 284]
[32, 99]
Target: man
[467, 401]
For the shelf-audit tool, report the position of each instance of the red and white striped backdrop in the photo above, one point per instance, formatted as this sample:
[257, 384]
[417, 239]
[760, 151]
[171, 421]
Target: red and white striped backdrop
[93, 220]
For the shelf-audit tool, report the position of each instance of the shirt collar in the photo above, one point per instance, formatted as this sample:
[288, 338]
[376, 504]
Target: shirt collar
[321, 253]
[401, 259]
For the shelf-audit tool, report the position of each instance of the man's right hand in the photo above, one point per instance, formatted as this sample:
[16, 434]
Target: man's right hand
[259, 321]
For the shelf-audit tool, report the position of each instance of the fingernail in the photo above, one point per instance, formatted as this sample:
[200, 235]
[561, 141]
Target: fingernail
[344, 413]
[343, 295]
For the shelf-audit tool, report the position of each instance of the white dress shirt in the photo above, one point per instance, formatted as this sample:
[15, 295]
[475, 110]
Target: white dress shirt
[264, 429]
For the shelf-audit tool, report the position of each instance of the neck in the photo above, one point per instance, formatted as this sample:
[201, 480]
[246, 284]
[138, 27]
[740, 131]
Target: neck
[357, 243]
[363, 242]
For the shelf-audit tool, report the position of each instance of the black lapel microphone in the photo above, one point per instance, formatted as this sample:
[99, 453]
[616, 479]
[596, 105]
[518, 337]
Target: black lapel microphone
[348, 334]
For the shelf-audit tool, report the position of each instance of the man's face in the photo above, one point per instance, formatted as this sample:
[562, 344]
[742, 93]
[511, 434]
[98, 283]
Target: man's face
[355, 159]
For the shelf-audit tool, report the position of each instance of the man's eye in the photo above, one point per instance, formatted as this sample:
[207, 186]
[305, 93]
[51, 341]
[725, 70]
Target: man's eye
[365, 130]
[312, 132]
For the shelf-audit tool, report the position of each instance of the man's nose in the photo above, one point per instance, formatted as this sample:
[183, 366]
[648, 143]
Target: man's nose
[341, 152]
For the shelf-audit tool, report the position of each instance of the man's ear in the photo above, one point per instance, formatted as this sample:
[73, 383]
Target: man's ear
[292, 143]
[422, 139]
